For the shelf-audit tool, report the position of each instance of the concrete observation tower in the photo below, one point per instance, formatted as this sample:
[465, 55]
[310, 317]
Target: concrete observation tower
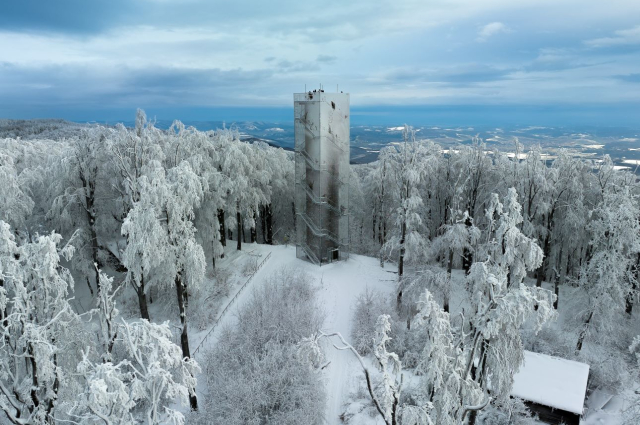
[322, 173]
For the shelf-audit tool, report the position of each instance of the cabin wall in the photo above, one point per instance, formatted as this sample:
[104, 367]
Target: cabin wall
[553, 416]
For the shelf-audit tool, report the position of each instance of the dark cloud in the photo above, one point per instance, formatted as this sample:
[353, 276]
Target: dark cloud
[561, 61]
[297, 66]
[75, 85]
[168, 79]
[284, 18]
[468, 74]
[326, 59]
[629, 78]
[66, 16]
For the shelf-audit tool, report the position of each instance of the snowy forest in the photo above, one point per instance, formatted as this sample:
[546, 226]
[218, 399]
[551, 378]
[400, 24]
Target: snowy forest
[120, 247]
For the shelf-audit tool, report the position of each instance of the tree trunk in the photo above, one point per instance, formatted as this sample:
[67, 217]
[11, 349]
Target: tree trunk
[254, 233]
[467, 256]
[269, 220]
[629, 302]
[56, 387]
[3, 316]
[34, 378]
[447, 290]
[238, 228]
[293, 210]
[223, 231]
[467, 259]
[184, 336]
[373, 227]
[142, 300]
[567, 269]
[561, 274]
[394, 411]
[89, 285]
[384, 231]
[583, 333]
[556, 287]
[263, 223]
[94, 251]
[89, 200]
[545, 259]
[380, 241]
[473, 415]
[401, 260]
[445, 302]
[634, 286]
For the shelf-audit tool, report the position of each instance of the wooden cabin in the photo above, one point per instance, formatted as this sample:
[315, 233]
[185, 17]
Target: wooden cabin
[552, 388]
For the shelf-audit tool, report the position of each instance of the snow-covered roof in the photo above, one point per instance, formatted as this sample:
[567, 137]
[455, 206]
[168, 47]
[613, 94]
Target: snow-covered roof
[552, 381]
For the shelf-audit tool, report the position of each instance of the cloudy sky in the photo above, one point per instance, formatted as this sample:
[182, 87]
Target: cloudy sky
[101, 59]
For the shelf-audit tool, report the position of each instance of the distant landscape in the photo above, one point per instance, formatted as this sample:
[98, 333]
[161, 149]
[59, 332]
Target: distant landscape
[620, 143]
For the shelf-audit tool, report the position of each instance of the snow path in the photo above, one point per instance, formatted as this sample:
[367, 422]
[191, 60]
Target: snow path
[339, 284]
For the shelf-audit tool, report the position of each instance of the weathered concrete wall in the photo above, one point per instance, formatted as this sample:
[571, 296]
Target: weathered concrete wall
[322, 167]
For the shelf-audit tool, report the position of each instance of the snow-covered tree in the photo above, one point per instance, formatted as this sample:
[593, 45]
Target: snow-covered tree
[390, 371]
[130, 152]
[609, 276]
[477, 167]
[408, 164]
[412, 287]
[146, 240]
[248, 177]
[459, 237]
[369, 306]
[386, 397]
[107, 314]
[376, 185]
[153, 376]
[36, 324]
[17, 205]
[279, 213]
[458, 361]
[508, 247]
[75, 209]
[447, 386]
[253, 372]
[185, 262]
[161, 238]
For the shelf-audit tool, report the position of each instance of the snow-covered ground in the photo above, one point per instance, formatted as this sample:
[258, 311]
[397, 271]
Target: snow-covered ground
[340, 284]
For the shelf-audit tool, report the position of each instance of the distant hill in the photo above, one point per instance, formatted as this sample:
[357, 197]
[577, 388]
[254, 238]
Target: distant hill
[622, 144]
[40, 129]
